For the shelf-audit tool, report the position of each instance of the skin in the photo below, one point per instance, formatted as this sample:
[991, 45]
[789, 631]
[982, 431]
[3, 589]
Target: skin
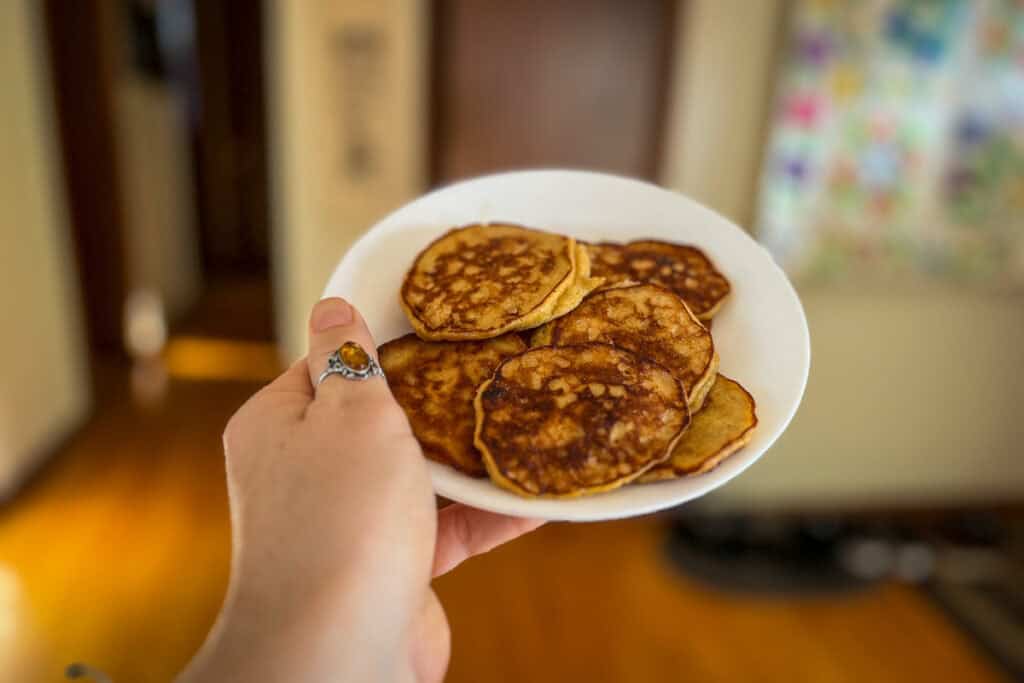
[336, 534]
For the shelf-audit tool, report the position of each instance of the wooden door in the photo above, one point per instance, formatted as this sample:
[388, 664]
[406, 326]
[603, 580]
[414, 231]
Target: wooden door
[80, 41]
[575, 83]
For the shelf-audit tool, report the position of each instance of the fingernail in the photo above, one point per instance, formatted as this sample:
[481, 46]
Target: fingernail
[331, 313]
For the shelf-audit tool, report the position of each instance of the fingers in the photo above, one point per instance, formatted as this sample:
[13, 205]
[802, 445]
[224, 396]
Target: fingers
[431, 641]
[332, 323]
[294, 380]
[463, 532]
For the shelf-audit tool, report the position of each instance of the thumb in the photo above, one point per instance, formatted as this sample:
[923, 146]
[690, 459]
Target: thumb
[332, 323]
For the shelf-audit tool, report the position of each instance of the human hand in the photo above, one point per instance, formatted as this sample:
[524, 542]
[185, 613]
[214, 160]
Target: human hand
[336, 534]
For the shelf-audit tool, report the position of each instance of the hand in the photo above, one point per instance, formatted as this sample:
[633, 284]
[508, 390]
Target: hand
[336, 531]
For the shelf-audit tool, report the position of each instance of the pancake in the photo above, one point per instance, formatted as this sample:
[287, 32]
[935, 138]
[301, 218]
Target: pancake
[724, 426]
[435, 383]
[684, 269]
[568, 421]
[583, 284]
[480, 281]
[648, 320]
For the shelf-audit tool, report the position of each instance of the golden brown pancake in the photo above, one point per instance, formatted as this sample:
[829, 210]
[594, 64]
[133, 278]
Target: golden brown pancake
[646, 319]
[725, 425]
[568, 421]
[684, 269]
[583, 284]
[435, 383]
[481, 281]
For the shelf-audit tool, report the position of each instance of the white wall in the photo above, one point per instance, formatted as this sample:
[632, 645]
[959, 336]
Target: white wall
[719, 101]
[154, 169]
[317, 106]
[43, 387]
[914, 397]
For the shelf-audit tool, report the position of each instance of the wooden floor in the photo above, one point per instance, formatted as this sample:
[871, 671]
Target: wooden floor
[117, 555]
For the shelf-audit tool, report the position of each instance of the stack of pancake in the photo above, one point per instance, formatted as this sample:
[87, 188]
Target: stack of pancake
[561, 369]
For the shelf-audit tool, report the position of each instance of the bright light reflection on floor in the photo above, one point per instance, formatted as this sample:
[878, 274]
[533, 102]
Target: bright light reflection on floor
[200, 358]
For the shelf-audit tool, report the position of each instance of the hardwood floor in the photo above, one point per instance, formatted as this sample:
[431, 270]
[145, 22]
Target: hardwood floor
[121, 546]
[117, 555]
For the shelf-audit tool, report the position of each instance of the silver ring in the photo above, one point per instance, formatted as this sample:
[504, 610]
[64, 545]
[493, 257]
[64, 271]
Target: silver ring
[351, 361]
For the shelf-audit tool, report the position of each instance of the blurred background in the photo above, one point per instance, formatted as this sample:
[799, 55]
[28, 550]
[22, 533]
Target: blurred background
[178, 178]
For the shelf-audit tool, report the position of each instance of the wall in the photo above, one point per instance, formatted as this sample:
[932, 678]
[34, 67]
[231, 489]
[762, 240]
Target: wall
[43, 385]
[914, 397]
[347, 122]
[161, 244]
[719, 101]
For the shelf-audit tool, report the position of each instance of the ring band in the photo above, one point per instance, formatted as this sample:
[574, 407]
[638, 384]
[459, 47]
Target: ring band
[351, 362]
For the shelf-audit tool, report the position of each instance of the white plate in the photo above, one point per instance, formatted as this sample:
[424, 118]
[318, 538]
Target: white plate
[760, 333]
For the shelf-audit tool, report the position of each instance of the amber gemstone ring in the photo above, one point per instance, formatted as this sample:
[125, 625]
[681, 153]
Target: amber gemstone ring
[351, 361]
